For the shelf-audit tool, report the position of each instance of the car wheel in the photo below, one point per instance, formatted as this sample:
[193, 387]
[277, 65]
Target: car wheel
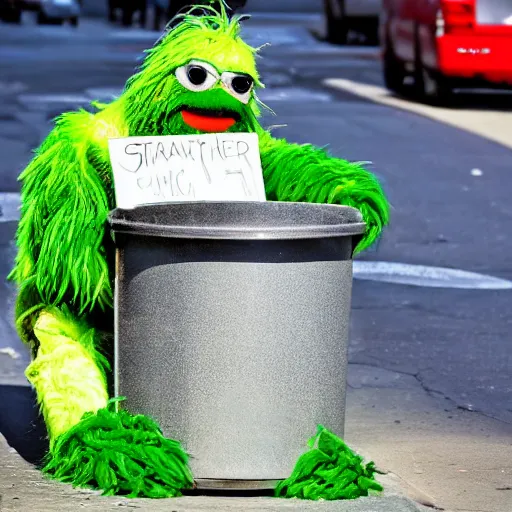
[11, 15]
[436, 89]
[393, 69]
[42, 19]
[127, 17]
[336, 21]
[112, 14]
[371, 30]
[430, 87]
[143, 17]
[159, 15]
[74, 21]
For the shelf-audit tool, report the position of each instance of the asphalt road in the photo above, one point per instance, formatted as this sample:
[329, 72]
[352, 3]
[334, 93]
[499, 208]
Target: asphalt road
[455, 342]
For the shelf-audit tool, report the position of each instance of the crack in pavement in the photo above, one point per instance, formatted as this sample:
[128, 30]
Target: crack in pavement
[435, 393]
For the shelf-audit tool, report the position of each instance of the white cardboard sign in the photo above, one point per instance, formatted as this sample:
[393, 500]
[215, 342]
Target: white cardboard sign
[173, 168]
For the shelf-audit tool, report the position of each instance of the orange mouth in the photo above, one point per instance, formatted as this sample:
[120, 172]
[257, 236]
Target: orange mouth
[209, 121]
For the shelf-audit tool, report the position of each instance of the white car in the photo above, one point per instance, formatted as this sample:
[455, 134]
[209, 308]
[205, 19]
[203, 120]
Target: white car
[57, 11]
[361, 16]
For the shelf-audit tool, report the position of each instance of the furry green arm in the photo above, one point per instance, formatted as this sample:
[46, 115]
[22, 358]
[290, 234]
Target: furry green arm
[65, 205]
[305, 173]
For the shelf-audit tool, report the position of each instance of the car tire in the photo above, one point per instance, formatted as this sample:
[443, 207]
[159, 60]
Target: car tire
[336, 26]
[74, 21]
[112, 11]
[393, 70]
[127, 17]
[436, 89]
[430, 87]
[143, 17]
[42, 19]
[370, 29]
[157, 17]
[11, 15]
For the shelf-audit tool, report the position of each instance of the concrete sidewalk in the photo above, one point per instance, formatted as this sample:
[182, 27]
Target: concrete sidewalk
[432, 450]
[22, 488]
[432, 453]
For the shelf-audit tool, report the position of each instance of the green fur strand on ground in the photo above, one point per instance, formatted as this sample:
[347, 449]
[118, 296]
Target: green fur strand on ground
[330, 470]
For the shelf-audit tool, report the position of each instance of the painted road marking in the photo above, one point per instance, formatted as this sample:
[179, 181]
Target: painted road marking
[494, 125]
[297, 94]
[431, 277]
[38, 100]
[9, 351]
[103, 93]
[9, 206]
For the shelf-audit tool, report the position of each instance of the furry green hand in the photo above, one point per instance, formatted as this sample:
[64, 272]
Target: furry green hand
[120, 454]
[305, 173]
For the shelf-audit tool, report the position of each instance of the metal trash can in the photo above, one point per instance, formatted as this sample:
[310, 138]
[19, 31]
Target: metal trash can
[232, 329]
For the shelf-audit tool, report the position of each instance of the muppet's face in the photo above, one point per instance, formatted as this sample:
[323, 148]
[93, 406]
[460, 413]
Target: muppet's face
[202, 84]
[213, 101]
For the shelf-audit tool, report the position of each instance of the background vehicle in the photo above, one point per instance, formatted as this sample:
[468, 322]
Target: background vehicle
[359, 15]
[127, 8]
[58, 11]
[166, 10]
[446, 44]
[48, 11]
[10, 11]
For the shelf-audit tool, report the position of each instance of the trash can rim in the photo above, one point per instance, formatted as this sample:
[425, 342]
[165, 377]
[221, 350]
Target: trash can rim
[342, 221]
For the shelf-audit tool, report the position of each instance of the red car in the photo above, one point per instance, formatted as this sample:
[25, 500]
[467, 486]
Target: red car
[446, 44]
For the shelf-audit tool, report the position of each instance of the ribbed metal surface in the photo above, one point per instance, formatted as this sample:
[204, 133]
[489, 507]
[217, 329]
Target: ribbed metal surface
[239, 220]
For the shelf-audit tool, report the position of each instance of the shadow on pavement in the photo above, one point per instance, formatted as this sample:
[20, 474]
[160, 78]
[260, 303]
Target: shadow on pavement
[21, 424]
[501, 101]
[230, 493]
[467, 99]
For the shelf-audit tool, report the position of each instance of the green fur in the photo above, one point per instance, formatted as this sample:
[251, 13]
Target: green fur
[68, 372]
[65, 257]
[120, 454]
[304, 173]
[213, 39]
[330, 470]
[64, 207]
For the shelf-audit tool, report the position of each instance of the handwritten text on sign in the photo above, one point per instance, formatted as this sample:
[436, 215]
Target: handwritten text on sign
[210, 167]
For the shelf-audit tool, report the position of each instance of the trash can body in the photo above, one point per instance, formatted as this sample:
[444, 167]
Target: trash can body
[232, 329]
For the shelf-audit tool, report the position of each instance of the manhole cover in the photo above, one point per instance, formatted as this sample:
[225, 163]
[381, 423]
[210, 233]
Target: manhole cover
[432, 277]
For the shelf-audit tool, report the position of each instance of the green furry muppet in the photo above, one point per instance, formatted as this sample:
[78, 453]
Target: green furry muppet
[200, 77]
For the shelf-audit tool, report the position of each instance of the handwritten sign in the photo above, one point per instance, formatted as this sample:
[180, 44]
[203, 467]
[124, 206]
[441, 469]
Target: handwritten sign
[172, 168]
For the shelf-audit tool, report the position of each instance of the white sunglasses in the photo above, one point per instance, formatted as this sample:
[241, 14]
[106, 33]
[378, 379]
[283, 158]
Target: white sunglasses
[200, 76]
